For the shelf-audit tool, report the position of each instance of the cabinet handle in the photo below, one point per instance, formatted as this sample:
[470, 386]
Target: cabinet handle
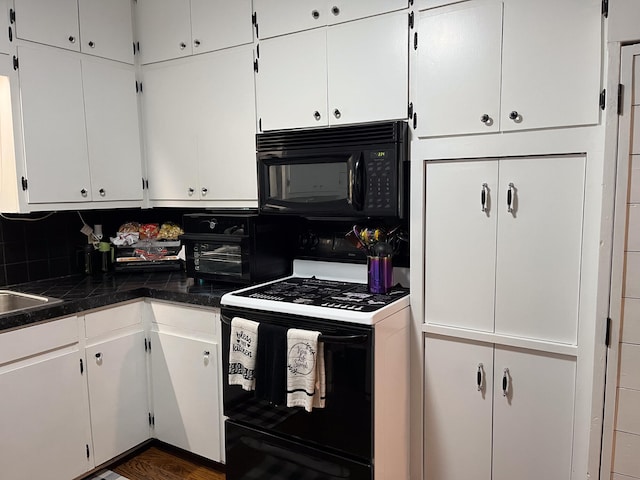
[316, 115]
[183, 45]
[336, 113]
[72, 39]
[484, 197]
[196, 43]
[315, 14]
[206, 353]
[479, 375]
[190, 191]
[204, 191]
[83, 192]
[335, 10]
[511, 194]
[99, 356]
[102, 192]
[514, 115]
[485, 118]
[505, 382]
[92, 44]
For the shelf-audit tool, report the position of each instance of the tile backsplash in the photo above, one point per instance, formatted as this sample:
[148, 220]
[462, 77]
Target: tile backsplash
[42, 245]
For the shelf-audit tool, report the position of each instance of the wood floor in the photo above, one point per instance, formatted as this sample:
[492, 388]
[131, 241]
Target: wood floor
[158, 463]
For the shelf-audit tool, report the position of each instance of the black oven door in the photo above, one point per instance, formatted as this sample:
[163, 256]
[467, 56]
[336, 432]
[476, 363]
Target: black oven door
[344, 427]
[217, 257]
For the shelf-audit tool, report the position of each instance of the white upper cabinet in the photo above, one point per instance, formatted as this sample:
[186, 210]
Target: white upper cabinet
[210, 131]
[74, 139]
[623, 21]
[106, 29]
[278, 17]
[5, 45]
[461, 61]
[531, 65]
[169, 29]
[96, 27]
[347, 73]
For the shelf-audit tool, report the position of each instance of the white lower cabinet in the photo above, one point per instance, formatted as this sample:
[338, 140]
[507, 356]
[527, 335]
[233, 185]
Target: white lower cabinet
[117, 379]
[497, 413]
[185, 377]
[44, 412]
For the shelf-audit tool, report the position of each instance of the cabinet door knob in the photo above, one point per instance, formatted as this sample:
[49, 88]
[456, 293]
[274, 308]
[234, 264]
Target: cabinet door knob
[196, 43]
[102, 192]
[335, 10]
[315, 14]
[485, 118]
[190, 191]
[206, 353]
[316, 115]
[183, 45]
[514, 115]
[99, 356]
[83, 192]
[336, 113]
[92, 44]
[72, 39]
[204, 191]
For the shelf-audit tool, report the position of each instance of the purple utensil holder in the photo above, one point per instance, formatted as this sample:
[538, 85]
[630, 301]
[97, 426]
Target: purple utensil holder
[379, 274]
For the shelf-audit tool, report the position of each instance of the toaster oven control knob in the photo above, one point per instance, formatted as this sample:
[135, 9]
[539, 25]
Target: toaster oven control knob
[316, 115]
[204, 191]
[190, 191]
[336, 113]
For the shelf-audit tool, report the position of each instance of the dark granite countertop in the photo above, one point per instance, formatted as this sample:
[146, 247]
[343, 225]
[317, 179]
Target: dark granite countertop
[79, 293]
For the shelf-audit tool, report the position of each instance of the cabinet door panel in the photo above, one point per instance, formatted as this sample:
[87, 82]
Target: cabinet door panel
[277, 17]
[185, 393]
[291, 83]
[460, 244]
[171, 136]
[539, 248]
[217, 24]
[550, 74]
[458, 421]
[117, 376]
[351, 10]
[44, 415]
[55, 139]
[106, 29]
[533, 423]
[226, 141]
[368, 69]
[51, 23]
[163, 28]
[459, 69]
[113, 133]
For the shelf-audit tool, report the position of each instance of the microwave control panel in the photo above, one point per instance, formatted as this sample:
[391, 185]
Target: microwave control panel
[381, 180]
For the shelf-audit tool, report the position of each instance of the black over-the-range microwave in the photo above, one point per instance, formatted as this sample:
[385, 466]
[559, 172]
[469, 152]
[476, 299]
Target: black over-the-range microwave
[347, 171]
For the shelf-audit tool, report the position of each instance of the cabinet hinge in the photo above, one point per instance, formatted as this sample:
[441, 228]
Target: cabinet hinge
[607, 335]
[12, 16]
[260, 124]
[87, 449]
[411, 20]
[152, 420]
[410, 111]
[81, 367]
[410, 2]
[149, 344]
[415, 40]
[145, 185]
[25, 184]
[254, 21]
[134, 47]
[255, 65]
[415, 121]
[605, 8]
[138, 87]
[15, 62]
[146, 347]
[620, 97]
[10, 34]
[603, 99]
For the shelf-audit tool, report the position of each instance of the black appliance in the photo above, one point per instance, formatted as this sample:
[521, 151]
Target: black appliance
[279, 443]
[351, 171]
[236, 247]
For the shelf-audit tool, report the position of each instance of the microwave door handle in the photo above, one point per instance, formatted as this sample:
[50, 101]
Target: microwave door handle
[358, 182]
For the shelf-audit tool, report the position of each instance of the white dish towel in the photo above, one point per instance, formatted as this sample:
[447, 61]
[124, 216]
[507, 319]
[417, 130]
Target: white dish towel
[243, 346]
[305, 370]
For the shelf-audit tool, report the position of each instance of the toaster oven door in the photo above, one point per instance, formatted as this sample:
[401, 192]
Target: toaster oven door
[218, 257]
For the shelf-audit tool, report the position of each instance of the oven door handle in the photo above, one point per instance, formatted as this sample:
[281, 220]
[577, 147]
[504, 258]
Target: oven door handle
[325, 338]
